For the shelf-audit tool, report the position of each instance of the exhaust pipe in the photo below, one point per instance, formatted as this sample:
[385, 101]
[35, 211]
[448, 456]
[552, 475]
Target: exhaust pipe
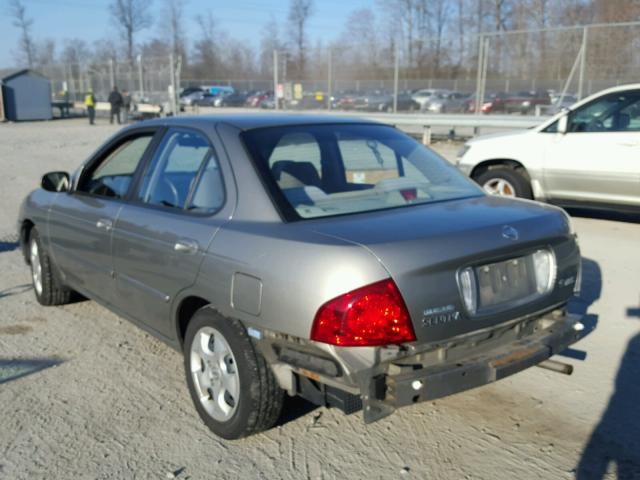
[556, 366]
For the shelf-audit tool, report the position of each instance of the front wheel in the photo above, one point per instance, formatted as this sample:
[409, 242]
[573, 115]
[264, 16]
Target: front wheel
[47, 286]
[505, 182]
[231, 384]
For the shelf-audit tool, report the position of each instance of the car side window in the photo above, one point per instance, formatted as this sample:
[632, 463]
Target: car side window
[113, 176]
[183, 174]
[617, 112]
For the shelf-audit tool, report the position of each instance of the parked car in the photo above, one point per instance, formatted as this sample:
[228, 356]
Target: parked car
[257, 98]
[234, 99]
[189, 90]
[422, 97]
[192, 98]
[405, 103]
[526, 102]
[332, 258]
[453, 102]
[268, 103]
[345, 100]
[372, 100]
[491, 103]
[587, 155]
[205, 100]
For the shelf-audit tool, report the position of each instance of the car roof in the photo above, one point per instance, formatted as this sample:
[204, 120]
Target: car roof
[249, 121]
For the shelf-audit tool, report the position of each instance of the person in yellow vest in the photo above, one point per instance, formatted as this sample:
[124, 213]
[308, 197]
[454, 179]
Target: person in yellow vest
[90, 103]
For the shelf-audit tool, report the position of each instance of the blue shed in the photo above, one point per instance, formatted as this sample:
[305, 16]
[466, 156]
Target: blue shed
[26, 95]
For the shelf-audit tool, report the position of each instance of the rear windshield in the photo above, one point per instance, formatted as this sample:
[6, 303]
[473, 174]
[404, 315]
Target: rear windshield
[324, 170]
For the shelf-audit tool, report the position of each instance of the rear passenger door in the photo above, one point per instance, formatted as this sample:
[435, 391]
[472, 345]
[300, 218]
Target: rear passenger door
[162, 234]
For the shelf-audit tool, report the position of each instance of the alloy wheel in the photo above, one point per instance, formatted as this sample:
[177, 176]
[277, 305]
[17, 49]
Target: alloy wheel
[214, 373]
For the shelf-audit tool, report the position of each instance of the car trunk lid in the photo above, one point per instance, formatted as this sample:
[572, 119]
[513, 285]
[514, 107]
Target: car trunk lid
[424, 247]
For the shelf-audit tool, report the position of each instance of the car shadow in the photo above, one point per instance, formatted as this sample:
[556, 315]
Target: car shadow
[7, 292]
[8, 246]
[294, 408]
[614, 215]
[616, 439]
[13, 369]
[590, 291]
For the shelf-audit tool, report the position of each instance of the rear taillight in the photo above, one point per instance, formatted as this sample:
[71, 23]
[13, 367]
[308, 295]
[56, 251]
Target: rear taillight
[370, 316]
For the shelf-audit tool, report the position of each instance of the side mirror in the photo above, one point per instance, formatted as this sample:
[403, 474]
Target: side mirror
[563, 123]
[56, 182]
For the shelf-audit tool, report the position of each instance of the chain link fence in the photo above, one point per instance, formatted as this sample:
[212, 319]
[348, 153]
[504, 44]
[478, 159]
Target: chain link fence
[148, 80]
[564, 61]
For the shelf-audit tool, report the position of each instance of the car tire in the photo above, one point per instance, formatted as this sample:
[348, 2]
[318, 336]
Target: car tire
[504, 181]
[244, 397]
[46, 282]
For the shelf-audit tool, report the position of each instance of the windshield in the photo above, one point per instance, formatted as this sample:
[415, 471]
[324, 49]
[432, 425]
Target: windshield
[323, 170]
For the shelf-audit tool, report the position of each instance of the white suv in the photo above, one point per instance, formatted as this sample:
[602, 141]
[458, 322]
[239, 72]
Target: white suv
[588, 154]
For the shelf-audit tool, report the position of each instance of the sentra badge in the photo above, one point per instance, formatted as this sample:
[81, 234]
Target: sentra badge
[439, 315]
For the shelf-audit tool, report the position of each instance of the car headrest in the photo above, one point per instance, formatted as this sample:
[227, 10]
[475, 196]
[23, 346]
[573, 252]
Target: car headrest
[304, 172]
[623, 121]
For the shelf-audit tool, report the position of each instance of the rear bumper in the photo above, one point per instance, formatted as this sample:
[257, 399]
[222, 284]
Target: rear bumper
[416, 381]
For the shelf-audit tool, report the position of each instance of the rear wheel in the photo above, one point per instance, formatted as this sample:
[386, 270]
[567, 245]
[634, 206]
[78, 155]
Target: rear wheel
[231, 385]
[47, 286]
[506, 182]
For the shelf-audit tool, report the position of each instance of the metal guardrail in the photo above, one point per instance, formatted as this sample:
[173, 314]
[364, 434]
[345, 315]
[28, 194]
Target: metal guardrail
[425, 122]
[475, 122]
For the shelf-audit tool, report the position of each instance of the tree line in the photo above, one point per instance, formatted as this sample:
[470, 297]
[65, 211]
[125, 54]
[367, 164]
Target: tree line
[433, 38]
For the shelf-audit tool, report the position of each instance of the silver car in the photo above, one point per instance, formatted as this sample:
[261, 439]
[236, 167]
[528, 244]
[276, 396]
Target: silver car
[330, 258]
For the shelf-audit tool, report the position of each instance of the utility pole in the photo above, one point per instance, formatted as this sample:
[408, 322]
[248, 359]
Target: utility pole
[275, 79]
[478, 107]
[396, 69]
[140, 79]
[112, 76]
[329, 79]
[172, 75]
[583, 63]
[178, 76]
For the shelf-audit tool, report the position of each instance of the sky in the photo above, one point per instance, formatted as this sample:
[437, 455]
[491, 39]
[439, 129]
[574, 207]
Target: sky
[89, 20]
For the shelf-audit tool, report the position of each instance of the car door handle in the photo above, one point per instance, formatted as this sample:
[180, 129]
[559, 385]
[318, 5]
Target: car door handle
[629, 144]
[103, 223]
[186, 246]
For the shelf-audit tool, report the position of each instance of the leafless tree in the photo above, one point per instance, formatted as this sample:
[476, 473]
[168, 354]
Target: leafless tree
[131, 16]
[173, 26]
[299, 13]
[359, 42]
[45, 52]
[206, 56]
[270, 41]
[75, 51]
[20, 20]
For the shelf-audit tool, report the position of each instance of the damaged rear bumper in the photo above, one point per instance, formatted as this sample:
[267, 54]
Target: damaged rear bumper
[416, 380]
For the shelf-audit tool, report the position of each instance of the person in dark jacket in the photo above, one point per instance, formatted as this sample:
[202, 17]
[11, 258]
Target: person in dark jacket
[115, 99]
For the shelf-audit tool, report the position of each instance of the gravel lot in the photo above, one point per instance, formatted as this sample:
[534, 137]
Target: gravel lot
[85, 394]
